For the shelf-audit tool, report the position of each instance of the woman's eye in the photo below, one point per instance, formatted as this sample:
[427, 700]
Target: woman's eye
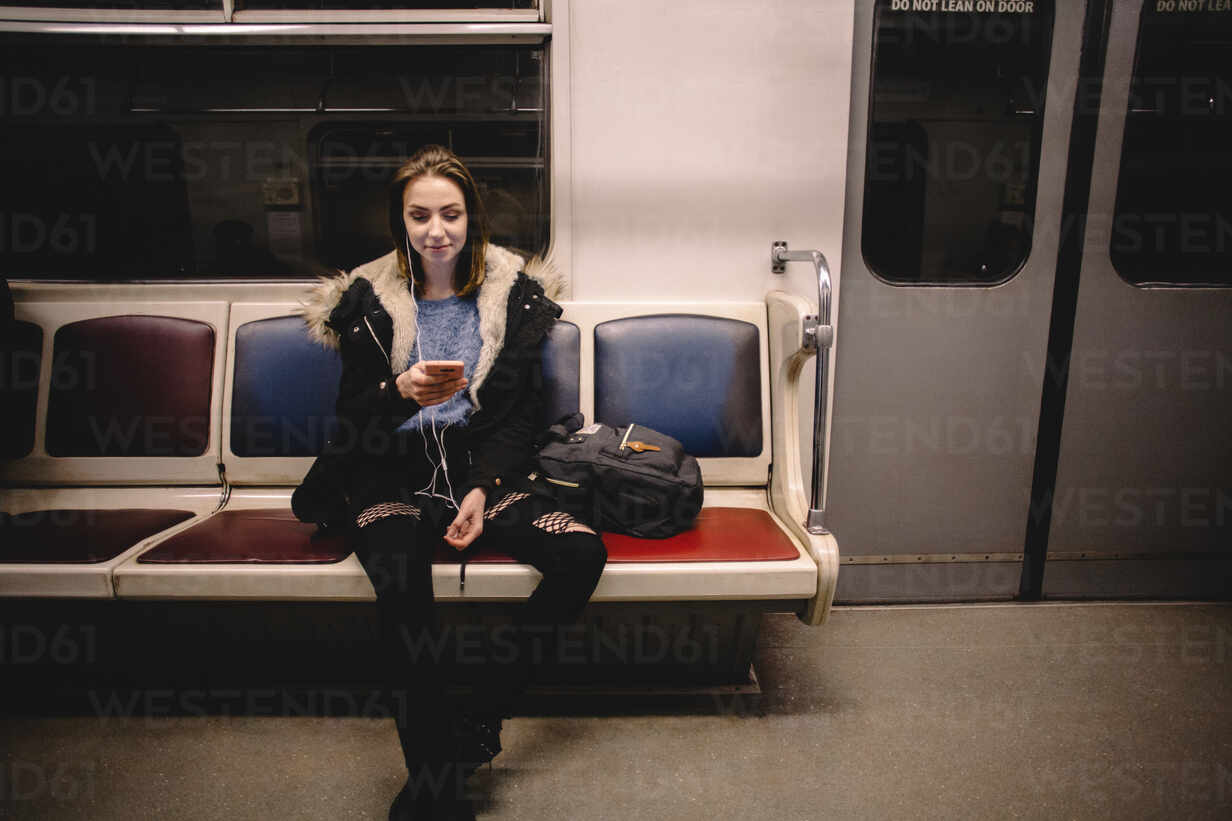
[424, 217]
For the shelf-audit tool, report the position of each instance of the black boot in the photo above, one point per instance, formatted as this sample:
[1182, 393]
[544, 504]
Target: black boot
[453, 805]
[410, 806]
[429, 782]
[477, 735]
[433, 792]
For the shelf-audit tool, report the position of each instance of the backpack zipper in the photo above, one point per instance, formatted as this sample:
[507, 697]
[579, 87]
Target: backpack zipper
[562, 482]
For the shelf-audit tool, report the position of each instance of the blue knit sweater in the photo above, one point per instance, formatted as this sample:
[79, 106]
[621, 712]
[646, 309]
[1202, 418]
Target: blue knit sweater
[447, 329]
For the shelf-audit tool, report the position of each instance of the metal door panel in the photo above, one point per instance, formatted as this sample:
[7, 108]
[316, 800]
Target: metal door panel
[1143, 502]
[937, 389]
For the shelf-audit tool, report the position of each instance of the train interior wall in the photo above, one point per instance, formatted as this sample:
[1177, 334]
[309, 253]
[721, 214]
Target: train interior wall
[694, 134]
[749, 105]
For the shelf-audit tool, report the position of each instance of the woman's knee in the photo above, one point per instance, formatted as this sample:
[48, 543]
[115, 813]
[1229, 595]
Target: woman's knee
[582, 556]
[388, 551]
[593, 553]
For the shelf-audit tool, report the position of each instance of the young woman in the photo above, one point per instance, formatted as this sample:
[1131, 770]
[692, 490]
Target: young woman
[425, 452]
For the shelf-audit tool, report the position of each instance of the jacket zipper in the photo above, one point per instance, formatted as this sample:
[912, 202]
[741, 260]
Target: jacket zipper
[388, 361]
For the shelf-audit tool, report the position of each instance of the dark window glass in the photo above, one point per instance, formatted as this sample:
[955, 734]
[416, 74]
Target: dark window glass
[956, 110]
[1173, 216]
[155, 161]
[240, 5]
[196, 5]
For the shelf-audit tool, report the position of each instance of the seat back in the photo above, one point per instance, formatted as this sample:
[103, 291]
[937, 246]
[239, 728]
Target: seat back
[281, 389]
[104, 398]
[696, 378]
[130, 386]
[21, 356]
[561, 371]
[694, 372]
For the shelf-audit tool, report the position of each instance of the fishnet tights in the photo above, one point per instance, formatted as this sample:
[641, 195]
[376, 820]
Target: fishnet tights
[560, 523]
[384, 510]
[506, 501]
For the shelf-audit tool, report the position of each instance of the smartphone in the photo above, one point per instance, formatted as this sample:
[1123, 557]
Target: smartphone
[444, 369]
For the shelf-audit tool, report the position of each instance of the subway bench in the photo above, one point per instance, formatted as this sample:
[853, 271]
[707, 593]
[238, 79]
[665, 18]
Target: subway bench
[153, 435]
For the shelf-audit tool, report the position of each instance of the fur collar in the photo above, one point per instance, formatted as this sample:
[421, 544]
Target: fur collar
[501, 270]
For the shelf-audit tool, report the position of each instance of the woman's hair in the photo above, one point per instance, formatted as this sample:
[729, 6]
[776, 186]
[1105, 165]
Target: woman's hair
[438, 161]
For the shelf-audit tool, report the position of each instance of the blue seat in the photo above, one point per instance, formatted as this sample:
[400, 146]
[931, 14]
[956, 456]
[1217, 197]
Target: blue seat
[695, 378]
[282, 399]
[285, 385]
[561, 371]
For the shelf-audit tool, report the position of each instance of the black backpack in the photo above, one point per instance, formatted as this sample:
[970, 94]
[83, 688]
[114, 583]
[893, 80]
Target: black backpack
[630, 480]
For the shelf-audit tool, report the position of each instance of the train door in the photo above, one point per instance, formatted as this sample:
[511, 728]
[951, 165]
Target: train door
[961, 115]
[1143, 498]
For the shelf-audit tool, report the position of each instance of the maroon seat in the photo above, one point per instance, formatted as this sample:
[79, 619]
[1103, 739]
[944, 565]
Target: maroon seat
[252, 537]
[131, 386]
[79, 536]
[722, 534]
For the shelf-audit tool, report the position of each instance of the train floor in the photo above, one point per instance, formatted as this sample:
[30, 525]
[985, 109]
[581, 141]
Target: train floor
[965, 711]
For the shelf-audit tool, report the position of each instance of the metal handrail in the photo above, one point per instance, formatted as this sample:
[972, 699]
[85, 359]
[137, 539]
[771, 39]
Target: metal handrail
[817, 336]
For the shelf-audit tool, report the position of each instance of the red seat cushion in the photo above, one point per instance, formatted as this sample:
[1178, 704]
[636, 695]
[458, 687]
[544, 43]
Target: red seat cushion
[79, 536]
[251, 536]
[722, 534]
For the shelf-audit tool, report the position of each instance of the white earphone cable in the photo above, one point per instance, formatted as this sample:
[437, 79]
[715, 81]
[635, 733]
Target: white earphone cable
[438, 437]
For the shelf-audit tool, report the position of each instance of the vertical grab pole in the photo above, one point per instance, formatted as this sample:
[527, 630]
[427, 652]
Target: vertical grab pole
[817, 336]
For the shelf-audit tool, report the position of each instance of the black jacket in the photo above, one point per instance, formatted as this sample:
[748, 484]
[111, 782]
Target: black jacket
[368, 316]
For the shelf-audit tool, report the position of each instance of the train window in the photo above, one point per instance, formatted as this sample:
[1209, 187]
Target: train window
[382, 4]
[202, 161]
[1172, 222]
[274, 5]
[955, 116]
[167, 5]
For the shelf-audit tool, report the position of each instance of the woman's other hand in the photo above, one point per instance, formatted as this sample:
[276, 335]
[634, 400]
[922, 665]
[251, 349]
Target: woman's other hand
[416, 383]
[468, 524]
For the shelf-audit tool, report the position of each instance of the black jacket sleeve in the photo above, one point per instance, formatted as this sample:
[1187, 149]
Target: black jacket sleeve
[364, 397]
[507, 449]
[504, 430]
[369, 406]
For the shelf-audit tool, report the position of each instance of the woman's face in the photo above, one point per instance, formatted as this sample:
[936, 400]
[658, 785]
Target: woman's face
[434, 211]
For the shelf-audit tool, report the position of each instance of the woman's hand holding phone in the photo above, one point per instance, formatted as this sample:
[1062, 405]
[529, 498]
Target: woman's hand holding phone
[431, 382]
